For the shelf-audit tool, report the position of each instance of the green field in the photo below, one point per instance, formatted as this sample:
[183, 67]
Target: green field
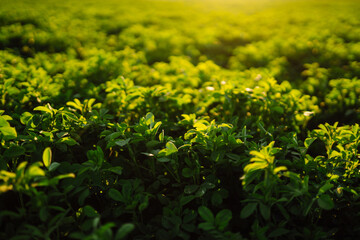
[179, 119]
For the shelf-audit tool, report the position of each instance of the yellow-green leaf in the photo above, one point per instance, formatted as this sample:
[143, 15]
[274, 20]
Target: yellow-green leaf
[47, 154]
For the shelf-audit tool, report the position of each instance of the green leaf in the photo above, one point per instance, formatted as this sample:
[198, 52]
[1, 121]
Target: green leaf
[265, 211]
[200, 192]
[170, 148]
[308, 207]
[68, 141]
[278, 232]
[189, 189]
[325, 202]
[216, 198]
[124, 230]
[35, 171]
[186, 199]
[248, 210]
[116, 195]
[62, 176]
[43, 214]
[144, 204]
[47, 157]
[53, 166]
[188, 227]
[123, 142]
[14, 151]
[76, 105]
[9, 133]
[43, 109]
[90, 211]
[206, 214]
[278, 109]
[149, 119]
[84, 194]
[117, 170]
[222, 218]
[206, 226]
[308, 142]
[327, 186]
[25, 117]
[113, 136]
[4, 122]
[187, 172]
[162, 136]
[208, 185]
[163, 159]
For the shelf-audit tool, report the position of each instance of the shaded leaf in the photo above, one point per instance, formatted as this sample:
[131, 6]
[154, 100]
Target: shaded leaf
[248, 210]
[206, 214]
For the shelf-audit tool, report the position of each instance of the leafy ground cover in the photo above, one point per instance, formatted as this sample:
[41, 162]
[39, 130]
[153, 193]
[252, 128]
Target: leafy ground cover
[184, 119]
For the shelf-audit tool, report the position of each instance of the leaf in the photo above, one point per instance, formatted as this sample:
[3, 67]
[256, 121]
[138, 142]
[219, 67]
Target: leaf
[187, 172]
[90, 102]
[47, 154]
[327, 186]
[53, 166]
[77, 105]
[188, 227]
[216, 198]
[283, 211]
[4, 122]
[278, 169]
[116, 195]
[206, 226]
[124, 230]
[278, 232]
[200, 126]
[43, 214]
[68, 141]
[25, 117]
[113, 136]
[84, 194]
[206, 214]
[149, 119]
[170, 148]
[59, 177]
[117, 170]
[278, 109]
[222, 218]
[90, 211]
[261, 126]
[8, 132]
[308, 207]
[200, 192]
[163, 159]
[186, 199]
[308, 142]
[189, 189]
[255, 166]
[156, 128]
[14, 151]
[265, 211]
[43, 109]
[162, 136]
[325, 202]
[123, 142]
[334, 154]
[248, 210]
[35, 171]
[144, 204]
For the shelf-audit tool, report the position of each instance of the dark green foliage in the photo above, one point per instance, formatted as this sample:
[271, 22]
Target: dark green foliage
[166, 120]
